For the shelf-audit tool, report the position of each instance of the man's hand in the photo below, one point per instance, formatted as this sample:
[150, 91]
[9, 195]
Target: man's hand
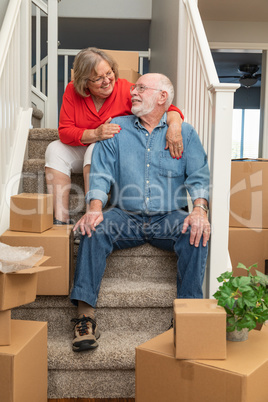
[200, 225]
[173, 137]
[92, 218]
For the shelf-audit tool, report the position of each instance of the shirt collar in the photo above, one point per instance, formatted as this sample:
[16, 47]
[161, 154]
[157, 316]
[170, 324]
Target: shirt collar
[162, 123]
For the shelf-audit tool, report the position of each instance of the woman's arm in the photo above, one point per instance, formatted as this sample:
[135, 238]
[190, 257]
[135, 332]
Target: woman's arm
[173, 137]
[79, 124]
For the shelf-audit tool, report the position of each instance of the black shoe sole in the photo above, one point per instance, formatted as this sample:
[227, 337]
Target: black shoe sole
[84, 345]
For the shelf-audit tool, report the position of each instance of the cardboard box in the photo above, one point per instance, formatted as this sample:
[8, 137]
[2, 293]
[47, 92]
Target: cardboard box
[130, 75]
[199, 329]
[126, 60]
[19, 288]
[248, 246]
[128, 64]
[5, 327]
[31, 212]
[58, 244]
[241, 377]
[249, 194]
[23, 364]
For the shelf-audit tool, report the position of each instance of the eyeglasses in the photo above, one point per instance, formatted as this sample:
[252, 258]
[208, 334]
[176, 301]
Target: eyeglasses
[108, 75]
[141, 88]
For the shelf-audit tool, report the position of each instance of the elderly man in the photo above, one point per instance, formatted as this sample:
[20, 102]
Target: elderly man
[149, 202]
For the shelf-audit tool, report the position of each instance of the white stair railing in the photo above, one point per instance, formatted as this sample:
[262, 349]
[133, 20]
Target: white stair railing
[39, 71]
[15, 111]
[208, 106]
[44, 74]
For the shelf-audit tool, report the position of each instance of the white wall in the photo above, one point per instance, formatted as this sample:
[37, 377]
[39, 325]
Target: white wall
[129, 9]
[164, 38]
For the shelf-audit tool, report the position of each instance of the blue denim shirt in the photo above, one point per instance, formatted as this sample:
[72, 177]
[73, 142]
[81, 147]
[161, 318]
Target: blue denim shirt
[142, 175]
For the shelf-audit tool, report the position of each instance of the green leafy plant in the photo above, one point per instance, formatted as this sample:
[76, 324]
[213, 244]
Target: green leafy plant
[244, 298]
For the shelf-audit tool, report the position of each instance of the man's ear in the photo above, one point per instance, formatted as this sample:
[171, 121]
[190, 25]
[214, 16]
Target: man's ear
[163, 98]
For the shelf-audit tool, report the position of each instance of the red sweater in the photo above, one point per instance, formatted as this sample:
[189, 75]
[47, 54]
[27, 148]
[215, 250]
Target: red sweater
[78, 114]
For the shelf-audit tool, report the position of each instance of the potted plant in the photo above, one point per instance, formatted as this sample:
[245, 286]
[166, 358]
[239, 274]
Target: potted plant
[245, 300]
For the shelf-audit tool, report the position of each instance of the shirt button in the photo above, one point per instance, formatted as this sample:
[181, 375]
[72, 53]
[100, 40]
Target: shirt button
[147, 135]
[147, 182]
[147, 198]
[148, 164]
[148, 150]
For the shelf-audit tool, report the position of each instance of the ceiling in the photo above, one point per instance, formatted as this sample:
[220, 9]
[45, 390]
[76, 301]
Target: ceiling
[234, 10]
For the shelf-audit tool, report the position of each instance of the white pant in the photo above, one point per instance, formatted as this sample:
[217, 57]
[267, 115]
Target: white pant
[66, 158]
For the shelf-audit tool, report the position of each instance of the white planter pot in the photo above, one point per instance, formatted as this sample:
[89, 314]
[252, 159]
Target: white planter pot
[237, 336]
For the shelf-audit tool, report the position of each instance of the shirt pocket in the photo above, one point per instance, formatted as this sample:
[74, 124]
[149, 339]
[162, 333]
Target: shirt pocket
[170, 167]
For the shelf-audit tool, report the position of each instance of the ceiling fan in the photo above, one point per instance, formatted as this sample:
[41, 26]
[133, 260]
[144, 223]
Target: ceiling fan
[249, 76]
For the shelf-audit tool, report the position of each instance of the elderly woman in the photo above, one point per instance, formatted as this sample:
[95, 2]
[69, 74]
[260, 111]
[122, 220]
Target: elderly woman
[90, 101]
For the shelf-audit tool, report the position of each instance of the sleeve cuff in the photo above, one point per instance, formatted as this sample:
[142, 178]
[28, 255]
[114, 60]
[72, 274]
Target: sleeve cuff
[200, 194]
[96, 195]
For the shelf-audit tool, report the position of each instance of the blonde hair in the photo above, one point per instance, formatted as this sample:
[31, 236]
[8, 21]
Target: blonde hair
[85, 64]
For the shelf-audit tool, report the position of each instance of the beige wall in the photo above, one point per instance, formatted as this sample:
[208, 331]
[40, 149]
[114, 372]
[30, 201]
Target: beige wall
[234, 10]
[236, 32]
[164, 38]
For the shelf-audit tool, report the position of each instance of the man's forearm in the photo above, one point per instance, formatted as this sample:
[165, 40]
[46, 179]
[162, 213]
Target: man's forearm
[94, 205]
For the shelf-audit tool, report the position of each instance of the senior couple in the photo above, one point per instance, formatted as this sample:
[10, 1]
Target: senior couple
[148, 189]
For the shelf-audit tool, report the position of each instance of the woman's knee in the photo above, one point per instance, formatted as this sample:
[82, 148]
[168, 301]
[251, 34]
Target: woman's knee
[57, 158]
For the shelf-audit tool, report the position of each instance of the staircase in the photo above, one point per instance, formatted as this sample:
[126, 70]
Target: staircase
[135, 304]
[136, 296]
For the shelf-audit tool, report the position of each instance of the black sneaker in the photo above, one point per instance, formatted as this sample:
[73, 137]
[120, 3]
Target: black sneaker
[77, 237]
[86, 334]
[57, 222]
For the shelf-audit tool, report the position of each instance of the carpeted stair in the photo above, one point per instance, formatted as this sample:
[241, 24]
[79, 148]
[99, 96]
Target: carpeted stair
[135, 304]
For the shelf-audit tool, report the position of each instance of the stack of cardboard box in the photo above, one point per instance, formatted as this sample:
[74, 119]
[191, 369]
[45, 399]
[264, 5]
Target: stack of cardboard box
[194, 363]
[248, 232]
[23, 344]
[31, 224]
[128, 63]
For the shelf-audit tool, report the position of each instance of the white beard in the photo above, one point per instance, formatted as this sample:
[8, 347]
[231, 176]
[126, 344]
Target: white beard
[142, 109]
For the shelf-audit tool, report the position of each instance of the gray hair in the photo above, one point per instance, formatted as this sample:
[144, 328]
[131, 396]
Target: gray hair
[85, 64]
[166, 85]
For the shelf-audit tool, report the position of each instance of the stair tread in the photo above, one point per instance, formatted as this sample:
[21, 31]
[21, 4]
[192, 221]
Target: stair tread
[142, 250]
[116, 351]
[120, 293]
[48, 134]
[143, 293]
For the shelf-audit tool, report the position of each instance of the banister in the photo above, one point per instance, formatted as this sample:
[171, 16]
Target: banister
[209, 108]
[15, 113]
[202, 42]
[7, 29]
[42, 5]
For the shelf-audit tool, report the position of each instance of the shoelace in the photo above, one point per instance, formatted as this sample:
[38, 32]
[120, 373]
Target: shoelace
[83, 328]
[171, 324]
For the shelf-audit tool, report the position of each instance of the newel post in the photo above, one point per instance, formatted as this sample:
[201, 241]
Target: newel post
[220, 168]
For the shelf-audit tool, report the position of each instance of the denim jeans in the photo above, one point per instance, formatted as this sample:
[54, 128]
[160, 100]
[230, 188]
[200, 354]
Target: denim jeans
[120, 230]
